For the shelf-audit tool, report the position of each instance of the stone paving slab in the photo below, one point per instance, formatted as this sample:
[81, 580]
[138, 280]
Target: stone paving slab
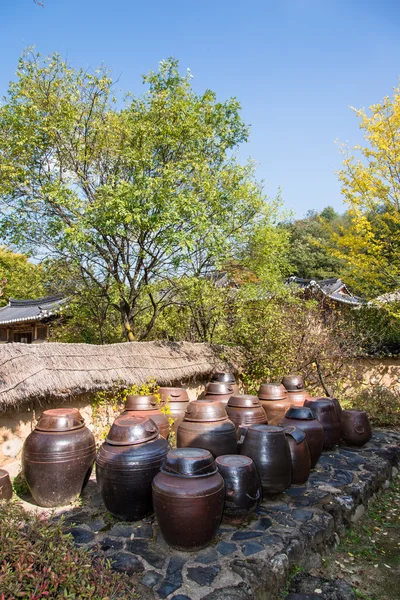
[250, 561]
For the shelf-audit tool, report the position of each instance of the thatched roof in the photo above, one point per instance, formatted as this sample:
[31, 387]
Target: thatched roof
[59, 371]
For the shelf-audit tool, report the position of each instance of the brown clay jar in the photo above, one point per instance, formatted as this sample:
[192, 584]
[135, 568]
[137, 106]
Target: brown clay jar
[223, 377]
[355, 427]
[325, 411]
[188, 497]
[267, 446]
[293, 383]
[126, 465]
[6, 491]
[221, 391]
[206, 425]
[245, 410]
[242, 485]
[57, 457]
[274, 400]
[304, 419]
[178, 401]
[147, 406]
[300, 454]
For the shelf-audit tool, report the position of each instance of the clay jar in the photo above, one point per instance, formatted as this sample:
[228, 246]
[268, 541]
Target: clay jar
[221, 391]
[244, 410]
[178, 401]
[126, 465]
[304, 419]
[6, 491]
[268, 447]
[223, 377]
[325, 411]
[300, 453]
[355, 427]
[206, 425]
[57, 457]
[242, 485]
[294, 385]
[188, 497]
[273, 398]
[147, 406]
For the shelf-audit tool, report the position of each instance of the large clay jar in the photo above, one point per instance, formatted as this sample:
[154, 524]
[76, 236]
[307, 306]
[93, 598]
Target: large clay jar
[147, 406]
[221, 391]
[223, 377]
[274, 400]
[58, 456]
[242, 485]
[178, 401]
[6, 491]
[126, 465]
[300, 453]
[244, 410]
[304, 419]
[188, 497]
[206, 425]
[268, 447]
[355, 427]
[325, 411]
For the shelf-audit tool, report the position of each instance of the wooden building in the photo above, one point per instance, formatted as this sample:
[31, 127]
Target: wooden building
[27, 321]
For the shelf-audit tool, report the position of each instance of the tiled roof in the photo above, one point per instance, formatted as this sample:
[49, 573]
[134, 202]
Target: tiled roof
[333, 288]
[19, 311]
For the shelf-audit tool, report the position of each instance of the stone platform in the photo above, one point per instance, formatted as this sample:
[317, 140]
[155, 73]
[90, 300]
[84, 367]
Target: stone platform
[253, 560]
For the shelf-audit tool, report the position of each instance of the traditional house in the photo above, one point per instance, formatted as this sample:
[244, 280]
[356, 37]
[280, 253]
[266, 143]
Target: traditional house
[331, 290]
[27, 321]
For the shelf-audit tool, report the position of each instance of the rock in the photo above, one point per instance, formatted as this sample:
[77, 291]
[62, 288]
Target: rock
[358, 514]
[203, 575]
[173, 579]
[154, 555]
[96, 524]
[124, 562]
[108, 543]
[207, 556]
[331, 589]
[226, 548]
[12, 447]
[81, 535]
[246, 535]
[296, 491]
[264, 523]
[151, 579]
[251, 548]
[237, 592]
[299, 514]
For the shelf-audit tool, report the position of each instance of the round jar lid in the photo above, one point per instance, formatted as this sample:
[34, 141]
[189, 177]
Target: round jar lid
[60, 419]
[141, 402]
[127, 431]
[223, 377]
[189, 462]
[299, 412]
[233, 461]
[244, 401]
[205, 410]
[216, 387]
[293, 382]
[272, 391]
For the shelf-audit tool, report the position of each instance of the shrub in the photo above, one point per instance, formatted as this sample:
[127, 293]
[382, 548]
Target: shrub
[382, 405]
[38, 560]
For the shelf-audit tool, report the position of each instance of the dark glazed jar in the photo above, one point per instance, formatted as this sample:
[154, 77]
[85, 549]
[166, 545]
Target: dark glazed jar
[206, 425]
[274, 400]
[242, 485]
[178, 401]
[188, 497]
[268, 447]
[223, 377]
[325, 411]
[147, 406]
[300, 453]
[126, 465]
[57, 457]
[355, 427]
[6, 491]
[293, 383]
[245, 410]
[221, 391]
[304, 419]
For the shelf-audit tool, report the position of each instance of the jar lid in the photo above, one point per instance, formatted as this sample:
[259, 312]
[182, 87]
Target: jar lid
[272, 391]
[244, 401]
[127, 431]
[216, 387]
[299, 412]
[293, 382]
[233, 461]
[223, 377]
[205, 410]
[189, 462]
[141, 402]
[261, 428]
[173, 394]
[60, 419]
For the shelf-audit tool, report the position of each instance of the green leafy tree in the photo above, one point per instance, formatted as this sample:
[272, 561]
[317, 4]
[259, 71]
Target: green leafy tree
[19, 278]
[130, 196]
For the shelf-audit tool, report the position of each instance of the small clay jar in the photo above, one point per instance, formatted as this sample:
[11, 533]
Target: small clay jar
[293, 383]
[221, 391]
[274, 400]
[6, 491]
[188, 497]
[178, 401]
[304, 419]
[206, 425]
[245, 410]
[268, 447]
[147, 406]
[325, 411]
[300, 453]
[223, 377]
[242, 485]
[355, 427]
[57, 457]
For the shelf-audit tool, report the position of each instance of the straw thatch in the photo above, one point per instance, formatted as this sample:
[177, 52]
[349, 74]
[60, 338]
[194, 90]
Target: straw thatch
[60, 371]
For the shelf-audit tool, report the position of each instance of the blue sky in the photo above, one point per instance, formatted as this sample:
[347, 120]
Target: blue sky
[295, 65]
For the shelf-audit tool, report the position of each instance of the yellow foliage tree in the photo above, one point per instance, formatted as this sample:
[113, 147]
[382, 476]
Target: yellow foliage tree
[370, 181]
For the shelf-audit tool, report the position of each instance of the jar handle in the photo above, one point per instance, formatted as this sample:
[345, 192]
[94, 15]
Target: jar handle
[242, 432]
[359, 429]
[256, 497]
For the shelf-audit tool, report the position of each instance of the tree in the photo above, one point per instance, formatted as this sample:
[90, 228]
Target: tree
[370, 179]
[131, 196]
[19, 278]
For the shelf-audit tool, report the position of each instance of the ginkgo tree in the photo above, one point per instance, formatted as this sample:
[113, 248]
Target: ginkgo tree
[132, 193]
[370, 178]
